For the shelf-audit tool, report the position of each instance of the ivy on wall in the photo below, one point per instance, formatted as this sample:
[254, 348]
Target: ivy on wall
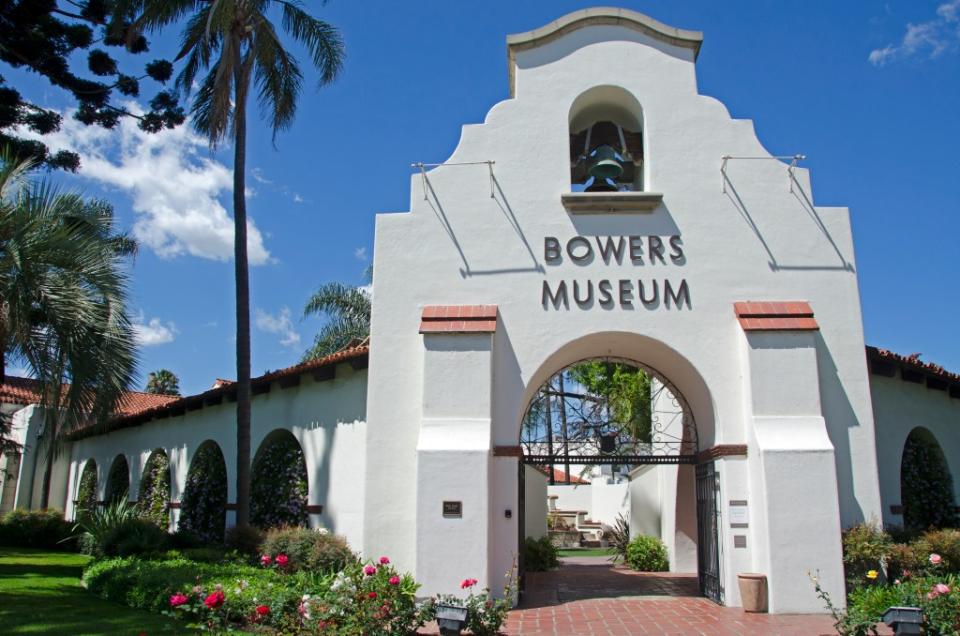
[278, 489]
[926, 486]
[204, 505]
[118, 481]
[87, 491]
[154, 499]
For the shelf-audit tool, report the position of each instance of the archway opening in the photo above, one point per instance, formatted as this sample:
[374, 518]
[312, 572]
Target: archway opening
[118, 481]
[204, 505]
[926, 485]
[154, 496]
[279, 485]
[86, 501]
[613, 444]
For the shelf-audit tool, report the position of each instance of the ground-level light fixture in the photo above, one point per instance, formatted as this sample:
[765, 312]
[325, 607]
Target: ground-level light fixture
[451, 619]
[904, 620]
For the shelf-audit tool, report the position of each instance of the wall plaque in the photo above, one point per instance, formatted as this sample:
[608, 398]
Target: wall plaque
[452, 509]
[739, 514]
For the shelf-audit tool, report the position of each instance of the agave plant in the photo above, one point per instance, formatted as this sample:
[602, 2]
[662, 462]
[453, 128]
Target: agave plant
[619, 539]
[93, 529]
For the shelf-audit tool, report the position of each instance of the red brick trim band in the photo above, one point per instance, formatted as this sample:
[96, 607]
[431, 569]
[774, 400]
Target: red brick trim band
[775, 316]
[174, 505]
[722, 450]
[459, 319]
[314, 509]
[508, 451]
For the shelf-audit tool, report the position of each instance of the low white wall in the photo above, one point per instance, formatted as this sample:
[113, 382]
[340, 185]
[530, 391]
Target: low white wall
[326, 417]
[535, 502]
[898, 408]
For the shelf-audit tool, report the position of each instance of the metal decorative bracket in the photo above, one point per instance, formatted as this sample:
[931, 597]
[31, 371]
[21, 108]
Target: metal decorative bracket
[794, 159]
[423, 171]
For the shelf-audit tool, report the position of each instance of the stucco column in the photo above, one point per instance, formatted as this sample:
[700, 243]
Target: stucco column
[793, 504]
[453, 461]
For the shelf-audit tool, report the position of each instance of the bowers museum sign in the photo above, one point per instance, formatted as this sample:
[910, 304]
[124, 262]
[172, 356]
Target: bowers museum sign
[628, 293]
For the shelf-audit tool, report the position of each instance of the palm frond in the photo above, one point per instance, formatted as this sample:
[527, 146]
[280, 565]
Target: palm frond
[278, 77]
[322, 39]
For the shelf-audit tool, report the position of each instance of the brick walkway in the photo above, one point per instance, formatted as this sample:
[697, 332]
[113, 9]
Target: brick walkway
[588, 597]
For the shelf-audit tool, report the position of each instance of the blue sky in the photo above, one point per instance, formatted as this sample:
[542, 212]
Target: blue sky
[869, 91]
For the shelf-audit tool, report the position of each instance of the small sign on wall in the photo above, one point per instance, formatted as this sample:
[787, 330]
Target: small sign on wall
[452, 509]
[739, 513]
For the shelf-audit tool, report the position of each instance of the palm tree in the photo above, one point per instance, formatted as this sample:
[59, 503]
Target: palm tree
[163, 382]
[237, 43]
[348, 318]
[63, 294]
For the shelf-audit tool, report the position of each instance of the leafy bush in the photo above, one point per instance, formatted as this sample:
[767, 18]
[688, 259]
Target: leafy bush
[865, 546]
[87, 490]
[945, 543]
[925, 484]
[307, 549]
[204, 504]
[362, 599]
[37, 529]
[647, 554]
[619, 537]
[153, 502]
[117, 530]
[278, 489]
[485, 614]
[184, 538]
[244, 539]
[539, 554]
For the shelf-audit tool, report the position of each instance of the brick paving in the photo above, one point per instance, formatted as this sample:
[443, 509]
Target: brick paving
[589, 597]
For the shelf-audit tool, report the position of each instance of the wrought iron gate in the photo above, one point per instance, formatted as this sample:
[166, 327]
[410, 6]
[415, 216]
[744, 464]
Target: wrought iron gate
[708, 531]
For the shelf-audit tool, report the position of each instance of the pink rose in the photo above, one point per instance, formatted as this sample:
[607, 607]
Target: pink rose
[394, 580]
[265, 560]
[177, 600]
[384, 560]
[942, 588]
[282, 560]
[369, 570]
[935, 559]
[468, 583]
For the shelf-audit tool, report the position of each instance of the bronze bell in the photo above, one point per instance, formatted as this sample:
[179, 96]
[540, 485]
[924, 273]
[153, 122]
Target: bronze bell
[605, 163]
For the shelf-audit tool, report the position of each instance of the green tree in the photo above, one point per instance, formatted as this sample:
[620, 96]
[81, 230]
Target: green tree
[49, 38]
[63, 314]
[236, 43]
[163, 382]
[348, 318]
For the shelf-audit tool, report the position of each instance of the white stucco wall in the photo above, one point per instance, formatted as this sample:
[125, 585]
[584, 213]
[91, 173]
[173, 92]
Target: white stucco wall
[326, 418]
[761, 239]
[535, 502]
[898, 408]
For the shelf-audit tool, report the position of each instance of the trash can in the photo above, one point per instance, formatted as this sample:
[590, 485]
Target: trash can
[753, 591]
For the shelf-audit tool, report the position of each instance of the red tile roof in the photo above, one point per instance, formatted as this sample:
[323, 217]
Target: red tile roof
[357, 356]
[459, 319]
[775, 316]
[912, 369]
[560, 477]
[26, 391]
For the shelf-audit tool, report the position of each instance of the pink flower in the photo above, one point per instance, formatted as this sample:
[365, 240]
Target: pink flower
[372, 595]
[468, 583]
[214, 599]
[262, 610]
[935, 559]
[369, 570]
[282, 560]
[384, 560]
[177, 600]
[394, 580]
[942, 588]
[265, 560]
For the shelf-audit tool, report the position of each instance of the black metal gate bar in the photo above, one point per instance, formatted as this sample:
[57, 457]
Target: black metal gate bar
[708, 531]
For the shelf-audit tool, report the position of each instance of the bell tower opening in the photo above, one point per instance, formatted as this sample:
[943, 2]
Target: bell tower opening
[606, 141]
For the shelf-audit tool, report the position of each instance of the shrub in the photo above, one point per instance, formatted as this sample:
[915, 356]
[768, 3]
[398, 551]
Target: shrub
[278, 489]
[153, 502]
[539, 554]
[37, 529]
[619, 537]
[945, 543]
[308, 549]
[244, 539]
[87, 490]
[184, 538]
[204, 504]
[117, 530]
[925, 484]
[647, 554]
[865, 546]
[485, 614]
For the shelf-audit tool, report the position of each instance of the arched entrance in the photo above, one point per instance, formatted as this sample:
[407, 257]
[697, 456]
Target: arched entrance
[613, 421]
[926, 485]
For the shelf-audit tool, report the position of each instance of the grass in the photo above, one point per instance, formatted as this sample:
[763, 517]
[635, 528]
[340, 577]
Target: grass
[40, 593]
[574, 552]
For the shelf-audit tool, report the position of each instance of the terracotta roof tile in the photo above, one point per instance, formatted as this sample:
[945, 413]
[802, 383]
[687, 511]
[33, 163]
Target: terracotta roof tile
[25, 391]
[912, 363]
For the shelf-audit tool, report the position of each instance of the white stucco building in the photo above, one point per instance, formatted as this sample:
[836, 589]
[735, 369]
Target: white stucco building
[704, 263]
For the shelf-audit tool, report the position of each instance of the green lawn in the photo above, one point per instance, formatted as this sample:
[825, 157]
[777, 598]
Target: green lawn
[585, 552]
[40, 593]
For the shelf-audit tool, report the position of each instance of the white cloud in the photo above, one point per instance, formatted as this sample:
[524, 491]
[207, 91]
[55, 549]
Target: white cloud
[297, 198]
[257, 175]
[931, 38]
[279, 324]
[174, 187]
[360, 253]
[153, 332]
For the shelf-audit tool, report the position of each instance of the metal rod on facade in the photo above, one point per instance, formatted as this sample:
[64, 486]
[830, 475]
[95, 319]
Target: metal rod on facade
[793, 164]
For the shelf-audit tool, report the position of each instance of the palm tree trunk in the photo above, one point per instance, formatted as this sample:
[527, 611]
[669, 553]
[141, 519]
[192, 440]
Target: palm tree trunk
[243, 289]
[51, 435]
